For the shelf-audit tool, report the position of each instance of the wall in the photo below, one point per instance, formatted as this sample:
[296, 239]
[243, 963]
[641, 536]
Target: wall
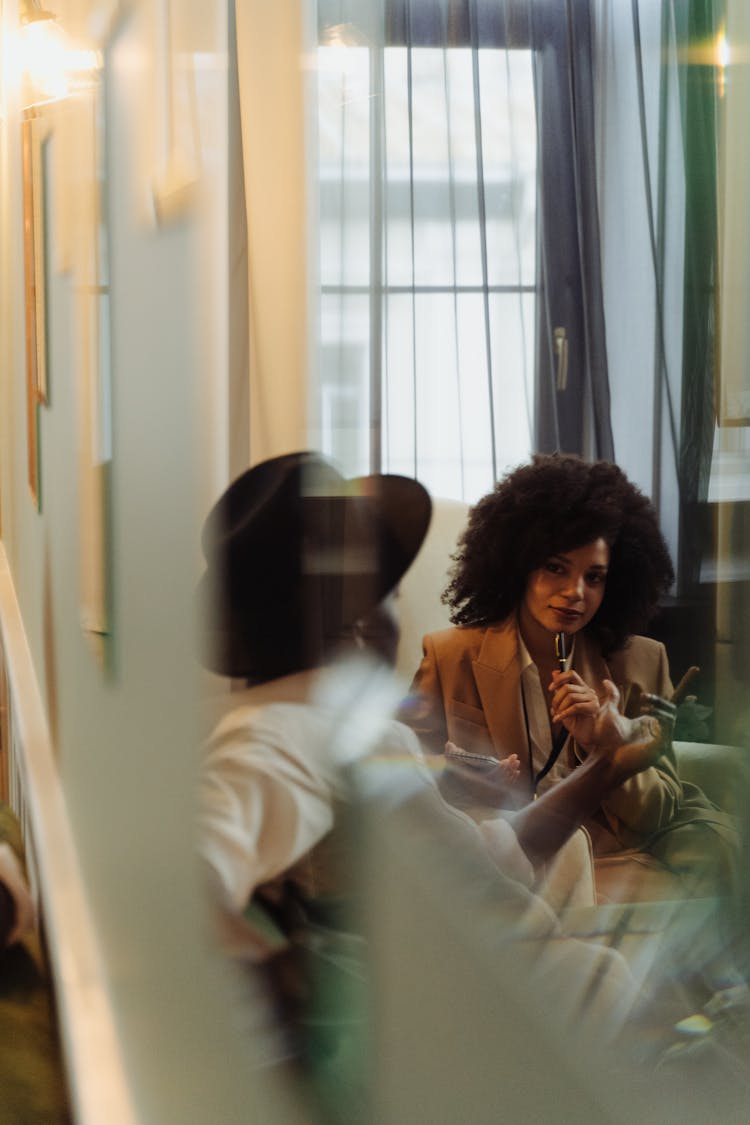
[126, 736]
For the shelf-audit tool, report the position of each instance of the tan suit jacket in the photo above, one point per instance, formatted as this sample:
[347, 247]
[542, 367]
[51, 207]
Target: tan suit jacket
[469, 691]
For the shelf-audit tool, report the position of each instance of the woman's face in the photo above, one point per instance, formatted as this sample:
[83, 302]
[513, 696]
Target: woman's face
[564, 594]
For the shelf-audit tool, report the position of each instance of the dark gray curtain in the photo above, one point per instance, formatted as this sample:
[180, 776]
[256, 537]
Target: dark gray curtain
[569, 238]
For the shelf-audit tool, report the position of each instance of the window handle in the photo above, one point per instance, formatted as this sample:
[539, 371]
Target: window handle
[561, 351]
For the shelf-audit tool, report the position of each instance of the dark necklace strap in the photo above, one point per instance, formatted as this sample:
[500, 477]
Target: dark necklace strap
[560, 740]
[557, 745]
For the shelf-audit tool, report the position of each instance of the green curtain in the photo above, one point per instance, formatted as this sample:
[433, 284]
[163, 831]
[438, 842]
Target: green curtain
[698, 23]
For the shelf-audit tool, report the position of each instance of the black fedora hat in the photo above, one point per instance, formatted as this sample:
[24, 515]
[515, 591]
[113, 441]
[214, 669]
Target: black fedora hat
[296, 555]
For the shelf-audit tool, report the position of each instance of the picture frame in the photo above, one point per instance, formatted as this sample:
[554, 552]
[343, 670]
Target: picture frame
[87, 131]
[34, 134]
[92, 291]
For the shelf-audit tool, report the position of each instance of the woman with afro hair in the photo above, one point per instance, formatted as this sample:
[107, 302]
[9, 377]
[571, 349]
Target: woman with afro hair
[559, 570]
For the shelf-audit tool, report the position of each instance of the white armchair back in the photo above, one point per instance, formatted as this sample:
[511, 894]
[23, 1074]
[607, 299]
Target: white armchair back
[420, 608]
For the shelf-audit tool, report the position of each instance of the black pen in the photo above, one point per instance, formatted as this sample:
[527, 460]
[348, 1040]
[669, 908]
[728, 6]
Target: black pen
[560, 653]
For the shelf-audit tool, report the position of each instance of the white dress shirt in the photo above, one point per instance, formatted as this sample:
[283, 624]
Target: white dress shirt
[275, 769]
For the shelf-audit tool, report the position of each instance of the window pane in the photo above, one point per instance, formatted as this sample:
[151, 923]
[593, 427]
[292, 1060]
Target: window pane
[513, 364]
[509, 161]
[344, 402]
[441, 180]
[464, 151]
[344, 164]
[436, 372]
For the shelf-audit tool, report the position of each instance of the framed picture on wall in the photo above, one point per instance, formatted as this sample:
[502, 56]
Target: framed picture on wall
[79, 247]
[34, 132]
[91, 256]
[92, 291]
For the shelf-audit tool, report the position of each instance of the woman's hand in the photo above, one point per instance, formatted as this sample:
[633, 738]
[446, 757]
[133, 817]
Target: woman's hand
[575, 705]
[628, 745]
[642, 749]
[595, 722]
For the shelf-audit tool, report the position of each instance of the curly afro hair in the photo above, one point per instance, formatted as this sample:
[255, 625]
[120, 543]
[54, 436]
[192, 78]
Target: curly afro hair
[556, 504]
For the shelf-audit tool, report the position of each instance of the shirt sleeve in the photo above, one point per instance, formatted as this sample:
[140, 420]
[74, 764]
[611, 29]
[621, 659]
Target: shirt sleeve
[261, 809]
[503, 848]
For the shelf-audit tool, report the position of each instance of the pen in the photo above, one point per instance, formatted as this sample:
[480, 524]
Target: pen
[560, 652]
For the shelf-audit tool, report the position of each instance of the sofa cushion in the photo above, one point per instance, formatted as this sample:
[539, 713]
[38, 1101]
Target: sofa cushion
[720, 771]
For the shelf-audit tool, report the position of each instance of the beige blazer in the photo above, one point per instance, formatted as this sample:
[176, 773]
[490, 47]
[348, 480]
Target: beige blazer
[469, 690]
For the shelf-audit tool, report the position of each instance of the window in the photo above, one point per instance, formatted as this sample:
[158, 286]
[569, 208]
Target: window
[444, 307]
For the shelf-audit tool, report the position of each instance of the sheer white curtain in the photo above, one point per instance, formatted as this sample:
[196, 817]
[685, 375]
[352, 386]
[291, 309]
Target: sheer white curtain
[660, 102]
[427, 149]
[642, 202]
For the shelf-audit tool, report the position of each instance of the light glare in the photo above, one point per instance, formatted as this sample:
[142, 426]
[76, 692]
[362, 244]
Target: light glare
[53, 66]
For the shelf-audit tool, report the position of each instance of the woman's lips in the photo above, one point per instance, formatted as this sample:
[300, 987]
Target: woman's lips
[569, 615]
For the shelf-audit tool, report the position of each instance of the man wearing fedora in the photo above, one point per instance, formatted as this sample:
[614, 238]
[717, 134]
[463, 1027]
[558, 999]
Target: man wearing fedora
[300, 561]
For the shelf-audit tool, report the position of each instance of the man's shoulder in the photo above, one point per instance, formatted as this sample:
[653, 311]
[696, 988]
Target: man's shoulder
[263, 727]
[286, 743]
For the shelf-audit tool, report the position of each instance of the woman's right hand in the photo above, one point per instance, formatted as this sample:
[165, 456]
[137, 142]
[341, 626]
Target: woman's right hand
[595, 722]
[576, 706]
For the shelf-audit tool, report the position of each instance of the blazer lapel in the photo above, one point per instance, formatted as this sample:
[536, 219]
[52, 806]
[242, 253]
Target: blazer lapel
[497, 672]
